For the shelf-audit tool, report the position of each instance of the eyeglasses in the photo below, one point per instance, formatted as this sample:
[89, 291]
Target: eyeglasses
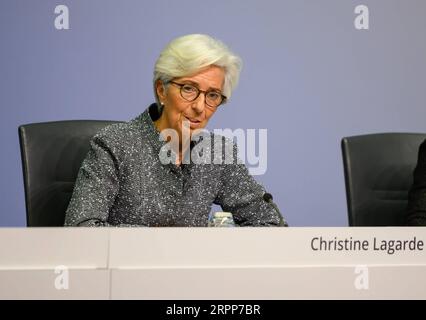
[190, 92]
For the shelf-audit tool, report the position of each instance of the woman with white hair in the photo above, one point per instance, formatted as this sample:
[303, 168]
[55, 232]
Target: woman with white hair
[125, 180]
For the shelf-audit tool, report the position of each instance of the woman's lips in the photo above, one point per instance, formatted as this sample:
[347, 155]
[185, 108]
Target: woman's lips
[193, 123]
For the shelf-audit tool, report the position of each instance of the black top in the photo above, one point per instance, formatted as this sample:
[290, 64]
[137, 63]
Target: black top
[416, 211]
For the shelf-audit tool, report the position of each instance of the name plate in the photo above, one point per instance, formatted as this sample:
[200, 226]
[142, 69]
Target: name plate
[244, 247]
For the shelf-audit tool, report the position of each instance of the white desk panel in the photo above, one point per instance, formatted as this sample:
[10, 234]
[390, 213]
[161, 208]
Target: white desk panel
[46, 248]
[305, 282]
[43, 284]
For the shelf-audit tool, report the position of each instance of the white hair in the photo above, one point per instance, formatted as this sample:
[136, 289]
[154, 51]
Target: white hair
[190, 54]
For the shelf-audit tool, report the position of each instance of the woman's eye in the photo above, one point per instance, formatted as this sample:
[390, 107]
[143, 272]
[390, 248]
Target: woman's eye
[213, 95]
[189, 89]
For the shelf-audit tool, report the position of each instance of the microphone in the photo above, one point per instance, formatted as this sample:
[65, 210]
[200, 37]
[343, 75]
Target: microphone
[267, 197]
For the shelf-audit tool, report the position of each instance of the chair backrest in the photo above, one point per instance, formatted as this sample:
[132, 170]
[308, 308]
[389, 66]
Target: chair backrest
[378, 174]
[52, 153]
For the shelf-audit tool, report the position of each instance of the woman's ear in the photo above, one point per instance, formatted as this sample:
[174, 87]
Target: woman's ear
[161, 90]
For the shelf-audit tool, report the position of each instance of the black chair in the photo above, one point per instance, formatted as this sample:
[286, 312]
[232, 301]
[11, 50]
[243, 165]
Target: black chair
[378, 174]
[52, 153]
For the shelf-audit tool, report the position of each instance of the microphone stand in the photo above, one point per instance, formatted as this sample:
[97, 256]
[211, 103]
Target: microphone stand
[267, 197]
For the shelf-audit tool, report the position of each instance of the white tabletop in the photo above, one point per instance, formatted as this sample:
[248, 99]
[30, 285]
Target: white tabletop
[213, 263]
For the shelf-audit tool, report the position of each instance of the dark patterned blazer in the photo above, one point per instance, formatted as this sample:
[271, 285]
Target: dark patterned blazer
[122, 182]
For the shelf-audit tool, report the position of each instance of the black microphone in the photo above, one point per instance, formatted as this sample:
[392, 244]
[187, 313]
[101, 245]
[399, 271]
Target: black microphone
[268, 198]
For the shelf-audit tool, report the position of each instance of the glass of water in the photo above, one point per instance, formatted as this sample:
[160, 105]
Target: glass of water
[221, 219]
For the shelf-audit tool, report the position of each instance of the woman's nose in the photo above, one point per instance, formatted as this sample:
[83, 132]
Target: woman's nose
[199, 104]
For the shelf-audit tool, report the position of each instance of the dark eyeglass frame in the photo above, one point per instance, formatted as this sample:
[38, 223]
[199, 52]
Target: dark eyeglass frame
[181, 85]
